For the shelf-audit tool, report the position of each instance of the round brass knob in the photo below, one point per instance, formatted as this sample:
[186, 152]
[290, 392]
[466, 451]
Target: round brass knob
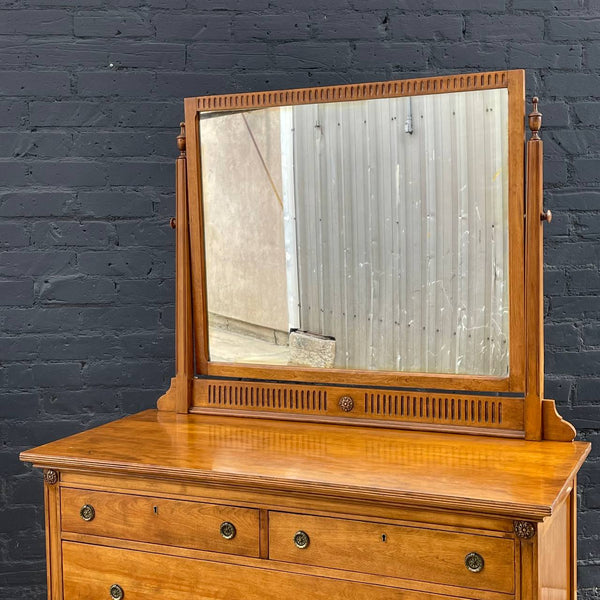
[346, 403]
[116, 592]
[474, 562]
[547, 216]
[228, 530]
[301, 540]
[87, 512]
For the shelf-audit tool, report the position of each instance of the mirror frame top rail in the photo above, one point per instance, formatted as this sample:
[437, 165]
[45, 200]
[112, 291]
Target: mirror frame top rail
[436, 400]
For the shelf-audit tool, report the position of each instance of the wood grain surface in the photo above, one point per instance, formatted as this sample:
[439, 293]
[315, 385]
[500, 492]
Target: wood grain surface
[467, 473]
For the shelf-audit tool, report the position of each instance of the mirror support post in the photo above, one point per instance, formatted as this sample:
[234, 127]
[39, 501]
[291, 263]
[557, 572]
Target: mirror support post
[178, 397]
[184, 353]
[534, 298]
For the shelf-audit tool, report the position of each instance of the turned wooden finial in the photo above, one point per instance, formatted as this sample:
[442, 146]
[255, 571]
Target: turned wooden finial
[181, 140]
[535, 119]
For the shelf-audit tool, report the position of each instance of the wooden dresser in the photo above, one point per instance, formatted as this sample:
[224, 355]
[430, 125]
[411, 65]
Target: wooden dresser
[268, 480]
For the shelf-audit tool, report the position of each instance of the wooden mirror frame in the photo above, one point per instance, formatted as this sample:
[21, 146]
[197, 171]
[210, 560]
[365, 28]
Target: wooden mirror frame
[509, 406]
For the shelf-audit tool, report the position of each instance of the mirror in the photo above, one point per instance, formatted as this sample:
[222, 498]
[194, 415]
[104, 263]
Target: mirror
[368, 235]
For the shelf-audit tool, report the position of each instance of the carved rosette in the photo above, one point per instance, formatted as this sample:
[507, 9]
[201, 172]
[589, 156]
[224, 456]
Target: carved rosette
[524, 530]
[51, 476]
[346, 403]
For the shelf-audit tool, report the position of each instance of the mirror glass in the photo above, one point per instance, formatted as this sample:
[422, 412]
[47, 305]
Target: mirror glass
[360, 235]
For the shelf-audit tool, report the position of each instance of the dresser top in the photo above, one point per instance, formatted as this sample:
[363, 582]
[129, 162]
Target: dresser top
[499, 476]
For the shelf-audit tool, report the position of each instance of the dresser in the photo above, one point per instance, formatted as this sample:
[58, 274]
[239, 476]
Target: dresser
[285, 461]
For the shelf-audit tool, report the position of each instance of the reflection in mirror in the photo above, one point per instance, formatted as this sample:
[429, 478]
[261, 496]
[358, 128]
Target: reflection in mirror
[360, 235]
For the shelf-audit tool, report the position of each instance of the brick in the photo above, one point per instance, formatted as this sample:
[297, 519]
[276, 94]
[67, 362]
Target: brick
[148, 291]
[33, 83]
[68, 113]
[426, 27]
[211, 56]
[111, 24]
[504, 27]
[284, 27]
[587, 113]
[591, 334]
[68, 173]
[574, 85]
[113, 204]
[555, 282]
[46, 144]
[40, 52]
[68, 233]
[555, 171]
[16, 293]
[18, 347]
[578, 141]
[193, 27]
[588, 391]
[558, 390]
[13, 234]
[12, 113]
[15, 263]
[572, 253]
[147, 344]
[547, 5]
[587, 170]
[77, 289]
[573, 363]
[573, 28]
[542, 56]
[585, 280]
[574, 307]
[100, 83]
[34, 204]
[35, 22]
[57, 375]
[562, 335]
[80, 347]
[12, 173]
[145, 233]
[54, 319]
[396, 55]
[192, 84]
[118, 262]
[556, 114]
[147, 114]
[135, 173]
[117, 143]
[465, 5]
[119, 318]
[143, 55]
[588, 576]
[573, 199]
[138, 373]
[469, 55]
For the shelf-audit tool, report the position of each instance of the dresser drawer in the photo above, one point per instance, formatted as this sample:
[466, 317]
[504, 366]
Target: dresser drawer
[89, 573]
[414, 553]
[161, 521]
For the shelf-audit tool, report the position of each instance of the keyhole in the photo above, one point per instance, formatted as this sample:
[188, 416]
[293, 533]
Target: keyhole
[383, 537]
[156, 510]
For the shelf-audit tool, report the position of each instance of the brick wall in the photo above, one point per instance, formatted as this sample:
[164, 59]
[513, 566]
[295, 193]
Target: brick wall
[90, 99]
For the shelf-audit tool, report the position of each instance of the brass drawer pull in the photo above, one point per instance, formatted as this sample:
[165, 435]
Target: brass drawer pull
[116, 592]
[87, 512]
[474, 562]
[301, 540]
[228, 530]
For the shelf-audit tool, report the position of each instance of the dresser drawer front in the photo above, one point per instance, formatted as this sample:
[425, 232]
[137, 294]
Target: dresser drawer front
[90, 571]
[429, 555]
[180, 523]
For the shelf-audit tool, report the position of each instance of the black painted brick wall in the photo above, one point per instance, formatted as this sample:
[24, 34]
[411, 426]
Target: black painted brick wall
[90, 99]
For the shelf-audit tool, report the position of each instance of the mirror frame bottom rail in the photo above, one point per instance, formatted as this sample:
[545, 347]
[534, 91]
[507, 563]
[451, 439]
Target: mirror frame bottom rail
[374, 407]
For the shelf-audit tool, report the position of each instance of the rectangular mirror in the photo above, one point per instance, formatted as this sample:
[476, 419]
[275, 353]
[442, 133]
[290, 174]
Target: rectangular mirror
[364, 235]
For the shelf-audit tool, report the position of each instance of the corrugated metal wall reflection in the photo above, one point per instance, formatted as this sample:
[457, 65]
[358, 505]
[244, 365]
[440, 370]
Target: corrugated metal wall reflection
[402, 237]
